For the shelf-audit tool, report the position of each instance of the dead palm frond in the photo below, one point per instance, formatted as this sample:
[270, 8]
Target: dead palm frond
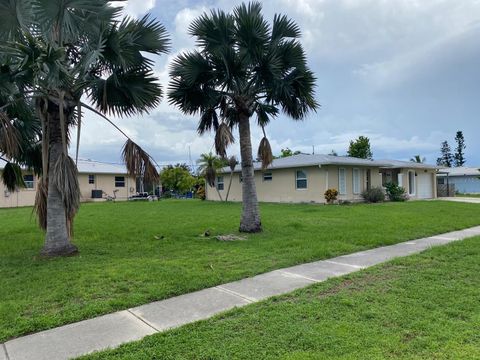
[210, 176]
[223, 138]
[12, 176]
[65, 179]
[138, 162]
[265, 152]
[9, 137]
[40, 207]
[232, 162]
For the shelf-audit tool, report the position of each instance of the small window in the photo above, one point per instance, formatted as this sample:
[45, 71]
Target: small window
[267, 176]
[301, 179]
[119, 181]
[91, 179]
[342, 181]
[28, 180]
[441, 181]
[356, 181]
[220, 183]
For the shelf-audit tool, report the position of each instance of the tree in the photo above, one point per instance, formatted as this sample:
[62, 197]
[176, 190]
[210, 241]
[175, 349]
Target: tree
[333, 153]
[287, 152]
[418, 159]
[446, 159]
[177, 178]
[242, 67]
[232, 164]
[52, 55]
[459, 157]
[360, 148]
[208, 164]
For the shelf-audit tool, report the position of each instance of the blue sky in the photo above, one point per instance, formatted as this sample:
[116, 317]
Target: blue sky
[404, 73]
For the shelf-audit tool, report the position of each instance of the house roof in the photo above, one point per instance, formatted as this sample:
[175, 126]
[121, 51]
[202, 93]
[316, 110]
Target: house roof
[304, 160]
[459, 171]
[93, 167]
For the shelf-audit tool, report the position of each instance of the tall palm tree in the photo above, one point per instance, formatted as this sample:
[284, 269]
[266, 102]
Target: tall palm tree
[208, 165]
[232, 164]
[243, 67]
[418, 159]
[54, 54]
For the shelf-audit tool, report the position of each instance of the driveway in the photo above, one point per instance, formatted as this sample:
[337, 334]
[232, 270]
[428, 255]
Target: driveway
[472, 200]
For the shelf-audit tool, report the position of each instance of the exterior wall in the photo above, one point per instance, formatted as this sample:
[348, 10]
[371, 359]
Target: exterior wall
[463, 184]
[282, 187]
[104, 182]
[406, 186]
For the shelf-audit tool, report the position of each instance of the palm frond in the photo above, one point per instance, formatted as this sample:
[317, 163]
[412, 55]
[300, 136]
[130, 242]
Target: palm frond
[12, 176]
[10, 136]
[232, 162]
[40, 206]
[65, 179]
[283, 27]
[223, 138]
[265, 152]
[138, 162]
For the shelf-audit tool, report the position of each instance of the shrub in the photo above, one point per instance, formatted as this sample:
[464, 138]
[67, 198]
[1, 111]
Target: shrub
[331, 195]
[374, 195]
[395, 192]
[201, 193]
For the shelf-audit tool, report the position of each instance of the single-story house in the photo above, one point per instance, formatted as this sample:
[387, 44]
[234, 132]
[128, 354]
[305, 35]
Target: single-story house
[97, 181]
[466, 180]
[305, 178]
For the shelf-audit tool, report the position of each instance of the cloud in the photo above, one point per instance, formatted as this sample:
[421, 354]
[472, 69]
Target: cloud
[137, 8]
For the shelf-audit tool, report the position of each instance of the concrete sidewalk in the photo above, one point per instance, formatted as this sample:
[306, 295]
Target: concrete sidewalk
[471, 200]
[111, 330]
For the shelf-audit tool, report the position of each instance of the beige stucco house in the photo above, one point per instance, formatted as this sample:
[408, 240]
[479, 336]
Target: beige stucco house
[305, 178]
[107, 180]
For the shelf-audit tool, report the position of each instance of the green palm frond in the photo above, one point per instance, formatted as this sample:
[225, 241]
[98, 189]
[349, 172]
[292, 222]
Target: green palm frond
[283, 27]
[12, 176]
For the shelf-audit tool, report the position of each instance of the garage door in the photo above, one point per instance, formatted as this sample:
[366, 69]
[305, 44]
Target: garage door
[424, 185]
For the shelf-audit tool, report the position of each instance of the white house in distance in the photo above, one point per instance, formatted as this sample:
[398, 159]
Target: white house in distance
[97, 181]
[305, 178]
[466, 180]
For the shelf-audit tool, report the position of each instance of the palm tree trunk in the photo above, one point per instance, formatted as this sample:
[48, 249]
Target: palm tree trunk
[57, 240]
[250, 221]
[229, 186]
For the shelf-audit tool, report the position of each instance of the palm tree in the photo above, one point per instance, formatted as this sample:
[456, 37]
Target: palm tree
[418, 159]
[232, 164]
[208, 165]
[243, 67]
[53, 54]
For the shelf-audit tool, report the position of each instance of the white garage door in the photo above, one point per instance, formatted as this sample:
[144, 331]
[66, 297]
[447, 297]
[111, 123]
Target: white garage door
[424, 185]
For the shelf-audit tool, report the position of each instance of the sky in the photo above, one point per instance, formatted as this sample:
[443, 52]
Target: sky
[405, 73]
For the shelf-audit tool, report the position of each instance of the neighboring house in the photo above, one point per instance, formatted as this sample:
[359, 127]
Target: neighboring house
[305, 178]
[106, 180]
[466, 180]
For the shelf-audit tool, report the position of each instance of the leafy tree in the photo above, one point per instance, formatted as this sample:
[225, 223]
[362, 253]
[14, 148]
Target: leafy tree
[208, 165]
[446, 158]
[360, 148]
[232, 164]
[243, 67]
[177, 178]
[459, 157]
[287, 152]
[418, 159]
[53, 54]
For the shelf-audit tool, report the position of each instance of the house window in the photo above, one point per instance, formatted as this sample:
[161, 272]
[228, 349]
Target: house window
[91, 179]
[342, 181]
[441, 181]
[267, 176]
[119, 181]
[220, 183]
[301, 179]
[356, 181]
[28, 180]
[411, 183]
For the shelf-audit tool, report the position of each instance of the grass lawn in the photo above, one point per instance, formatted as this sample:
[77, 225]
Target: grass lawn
[421, 307]
[122, 264]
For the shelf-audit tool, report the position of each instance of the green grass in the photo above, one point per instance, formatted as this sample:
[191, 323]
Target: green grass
[122, 264]
[421, 307]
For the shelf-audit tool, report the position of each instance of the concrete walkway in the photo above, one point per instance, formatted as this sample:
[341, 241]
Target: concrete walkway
[472, 200]
[111, 330]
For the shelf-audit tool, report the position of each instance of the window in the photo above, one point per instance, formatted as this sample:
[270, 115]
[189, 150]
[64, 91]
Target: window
[301, 179]
[28, 180]
[411, 183]
[441, 181]
[91, 179]
[356, 181]
[119, 181]
[267, 176]
[342, 181]
[220, 184]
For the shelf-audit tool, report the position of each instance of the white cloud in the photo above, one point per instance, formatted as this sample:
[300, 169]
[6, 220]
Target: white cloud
[136, 8]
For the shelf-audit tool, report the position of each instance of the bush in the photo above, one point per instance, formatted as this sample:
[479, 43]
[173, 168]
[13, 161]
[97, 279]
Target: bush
[374, 195]
[331, 195]
[395, 192]
[201, 193]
